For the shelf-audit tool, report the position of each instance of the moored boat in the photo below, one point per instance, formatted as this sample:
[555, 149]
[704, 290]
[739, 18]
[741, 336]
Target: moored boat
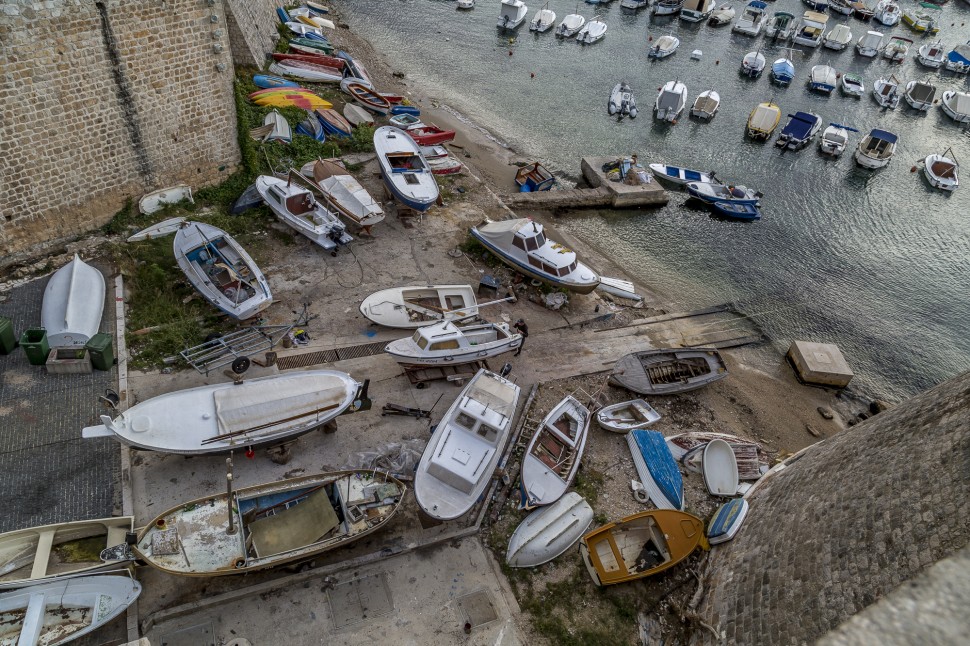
[876, 149]
[665, 46]
[736, 210]
[522, 245]
[552, 458]
[869, 44]
[641, 545]
[958, 59]
[680, 176]
[823, 79]
[626, 416]
[622, 101]
[719, 193]
[810, 29]
[73, 304]
[296, 207]
[799, 131]
[724, 15]
[671, 101]
[706, 105]
[942, 170]
[887, 12]
[920, 94]
[697, 10]
[886, 92]
[852, 85]
[720, 469]
[667, 7]
[931, 55]
[667, 371]
[534, 177]
[843, 7]
[657, 469]
[861, 10]
[956, 105]
[544, 19]
[570, 25]
[924, 18]
[763, 120]
[414, 307]
[271, 524]
[549, 532]
[781, 26]
[752, 19]
[592, 32]
[405, 172]
[837, 38]
[465, 448]
[753, 64]
[834, 139]
[782, 72]
[896, 49]
[512, 14]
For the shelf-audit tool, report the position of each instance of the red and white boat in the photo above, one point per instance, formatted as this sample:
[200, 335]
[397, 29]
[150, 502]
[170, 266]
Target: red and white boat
[307, 71]
[430, 135]
[434, 152]
[318, 59]
[445, 165]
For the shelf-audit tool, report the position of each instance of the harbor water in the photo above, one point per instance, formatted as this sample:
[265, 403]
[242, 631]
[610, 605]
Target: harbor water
[876, 262]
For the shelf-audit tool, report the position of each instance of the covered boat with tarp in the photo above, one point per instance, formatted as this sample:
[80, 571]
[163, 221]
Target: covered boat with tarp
[958, 59]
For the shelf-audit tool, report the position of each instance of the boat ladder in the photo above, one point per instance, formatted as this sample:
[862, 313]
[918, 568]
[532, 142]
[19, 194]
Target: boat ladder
[234, 348]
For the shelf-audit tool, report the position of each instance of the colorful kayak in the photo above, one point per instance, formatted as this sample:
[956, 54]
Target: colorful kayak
[317, 59]
[267, 81]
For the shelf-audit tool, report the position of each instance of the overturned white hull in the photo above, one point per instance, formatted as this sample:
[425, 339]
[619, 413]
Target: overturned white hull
[73, 304]
[550, 531]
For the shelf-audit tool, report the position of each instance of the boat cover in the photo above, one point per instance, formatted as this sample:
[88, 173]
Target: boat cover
[960, 55]
[656, 466]
[707, 105]
[959, 103]
[253, 406]
[351, 195]
[764, 118]
[799, 125]
[295, 527]
[884, 135]
[783, 69]
[501, 233]
[670, 99]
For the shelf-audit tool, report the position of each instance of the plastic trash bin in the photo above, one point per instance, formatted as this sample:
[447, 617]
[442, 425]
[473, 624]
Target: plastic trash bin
[8, 340]
[101, 351]
[34, 342]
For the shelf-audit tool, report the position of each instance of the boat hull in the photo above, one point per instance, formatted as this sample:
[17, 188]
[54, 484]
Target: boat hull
[412, 184]
[73, 304]
[626, 416]
[549, 532]
[553, 456]
[657, 469]
[698, 368]
[720, 469]
[408, 308]
[727, 521]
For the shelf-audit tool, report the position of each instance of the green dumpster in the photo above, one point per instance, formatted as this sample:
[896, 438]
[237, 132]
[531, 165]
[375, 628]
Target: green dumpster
[101, 351]
[34, 342]
[8, 340]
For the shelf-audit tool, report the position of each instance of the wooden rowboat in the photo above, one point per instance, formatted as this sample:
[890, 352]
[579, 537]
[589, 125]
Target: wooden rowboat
[548, 532]
[344, 193]
[357, 115]
[552, 457]
[430, 135]
[334, 123]
[369, 99]
[641, 545]
[668, 371]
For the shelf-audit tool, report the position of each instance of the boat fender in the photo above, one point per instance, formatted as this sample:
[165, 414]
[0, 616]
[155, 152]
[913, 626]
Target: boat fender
[639, 492]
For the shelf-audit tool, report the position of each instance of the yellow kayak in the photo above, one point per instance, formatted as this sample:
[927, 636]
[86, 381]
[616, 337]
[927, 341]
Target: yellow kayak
[289, 97]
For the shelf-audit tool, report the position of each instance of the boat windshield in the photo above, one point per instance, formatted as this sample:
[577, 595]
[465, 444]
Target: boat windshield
[420, 340]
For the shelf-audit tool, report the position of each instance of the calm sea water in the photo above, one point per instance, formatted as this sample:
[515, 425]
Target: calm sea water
[877, 262]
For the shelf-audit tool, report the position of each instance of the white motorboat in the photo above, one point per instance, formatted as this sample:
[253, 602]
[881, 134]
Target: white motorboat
[896, 49]
[570, 25]
[931, 55]
[763, 120]
[852, 85]
[344, 193]
[697, 10]
[512, 14]
[664, 47]
[464, 450]
[722, 16]
[706, 105]
[920, 95]
[626, 416]
[942, 170]
[876, 149]
[522, 245]
[886, 92]
[834, 139]
[810, 29]
[843, 7]
[634, 4]
[63, 550]
[296, 207]
[823, 79]
[464, 4]
[157, 200]
[622, 101]
[837, 38]
[888, 12]
[958, 59]
[670, 101]
[666, 7]
[552, 458]
[405, 171]
[544, 19]
[446, 344]
[216, 265]
[720, 469]
[548, 532]
[413, 307]
[956, 105]
[753, 64]
[681, 176]
[593, 31]
[220, 418]
[73, 304]
[869, 44]
[752, 19]
[781, 26]
[62, 611]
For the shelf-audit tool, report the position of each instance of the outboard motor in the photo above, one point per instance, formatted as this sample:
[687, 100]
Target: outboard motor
[506, 369]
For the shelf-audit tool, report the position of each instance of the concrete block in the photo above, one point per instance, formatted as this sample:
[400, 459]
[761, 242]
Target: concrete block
[820, 363]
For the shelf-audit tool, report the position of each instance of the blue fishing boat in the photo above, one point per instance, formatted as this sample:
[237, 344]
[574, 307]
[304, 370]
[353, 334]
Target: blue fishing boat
[735, 211]
[267, 81]
[727, 521]
[534, 177]
[311, 127]
[404, 170]
[657, 469]
[782, 72]
[405, 109]
[715, 193]
[799, 131]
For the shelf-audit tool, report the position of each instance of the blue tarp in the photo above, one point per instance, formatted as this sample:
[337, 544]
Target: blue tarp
[960, 54]
[884, 135]
[799, 125]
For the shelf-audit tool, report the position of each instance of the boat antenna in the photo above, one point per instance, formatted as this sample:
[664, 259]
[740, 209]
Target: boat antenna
[232, 521]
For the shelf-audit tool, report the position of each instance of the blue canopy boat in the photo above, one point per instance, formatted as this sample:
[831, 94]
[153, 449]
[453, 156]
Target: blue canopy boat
[282, 15]
[799, 131]
[737, 211]
[657, 469]
[782, 72]
[958, 60]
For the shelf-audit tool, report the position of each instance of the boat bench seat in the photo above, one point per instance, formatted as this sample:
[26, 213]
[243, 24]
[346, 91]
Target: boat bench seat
[42, 557]
[116, 536]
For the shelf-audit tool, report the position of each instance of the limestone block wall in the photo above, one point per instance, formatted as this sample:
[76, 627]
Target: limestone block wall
[102, 101]
[847, 523]
[253, 29]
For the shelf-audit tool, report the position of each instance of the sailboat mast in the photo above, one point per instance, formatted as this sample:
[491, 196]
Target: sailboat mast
[232, 519]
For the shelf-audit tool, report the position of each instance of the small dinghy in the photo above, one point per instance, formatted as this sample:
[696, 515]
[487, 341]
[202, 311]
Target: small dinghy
[268, 525]
[852, 85]
[861, 10]
[626, 416]
[715, 193]
[544, 19]
[722, 16]
[464, 4]
[405, 172]
[367, 98]
[823, 79]
[956, 105]
[296, 207]
[876, 149]
[619, 288]
[657, 469]
[249, 199]
[310, 46]
[311, 127]
[266, 81]
[512, 14]
[304, 30]
[781, 26]
[924, 18]
[279, 128]
[706, 105]
[869, 44]
[753, 64]
[834, 139]
[843, 7]
[697, 10]
[750, 457]
[727, 521]
[664, 47]
[307, 71]
[430, 135]
[896, 49]
[446, 344]
[549, 532]
[720, 469]
[931, 55]
[334, 123]
[59, 551]
[838, 38]
[763, 120]
[553, 456]
[680, 176]
[752, 19]
[337, 64]
[343, 193]
[414, 307]
[741, 211]
[522, 245]
[406, 109]
[641, 545]
[668, 371]
[570, 25]
[445, 165]
[670, 101]
[811, 28]
[920, 95]
[958, 59]
[782, 72]
[62, 611]
[220, 418]
[355, 69]
[464, 450]
[358, 116]
[534, 177]
[404, 121]
[592, 32]
[886, 92]
[73, 304]
[622, 101]
[942, 170]
[287, 97]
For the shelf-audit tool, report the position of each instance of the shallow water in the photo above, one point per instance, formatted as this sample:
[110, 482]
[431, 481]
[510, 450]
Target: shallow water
[876, 262]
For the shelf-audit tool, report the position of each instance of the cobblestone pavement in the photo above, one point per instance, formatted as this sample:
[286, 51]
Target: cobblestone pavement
[48, 474]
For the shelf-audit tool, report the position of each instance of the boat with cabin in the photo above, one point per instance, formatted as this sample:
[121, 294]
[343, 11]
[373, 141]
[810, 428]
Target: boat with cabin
[799, 131]
[752, 19]
[837, 38]
[782, 71]
[544, 19]
[931, 55]
[552, 458]
[73, 304]
[405, 172]
[512, 14]
[697, 10]
[706, 105]
[763, 119]
[924, 18]
[671, 101]
[667, 371]
[465, 448]
[626, 416]
[958, 59]
[781, 26]
[920, 95]
[548, 532]
[417, 306]
[823, 79]
[810, 29]
[887, 12]
[886, 92]
[592, 32]
[667, 7]
[876, 149]
[942, 170]
[869, 44]
[956, 105]
[722, 16]
[834, 139]
[446, 344]
[296, 207]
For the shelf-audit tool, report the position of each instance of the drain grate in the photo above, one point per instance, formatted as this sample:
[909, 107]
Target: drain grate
[360, 599]
[329, 356]
[201, 635]
[477, 609]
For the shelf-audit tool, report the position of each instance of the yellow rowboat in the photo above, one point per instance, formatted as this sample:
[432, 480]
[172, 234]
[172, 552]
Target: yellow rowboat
[641, 545]
[763, 120]
[292, 98]
[315, 21]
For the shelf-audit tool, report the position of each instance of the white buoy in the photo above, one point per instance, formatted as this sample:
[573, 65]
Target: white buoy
[696, 54]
